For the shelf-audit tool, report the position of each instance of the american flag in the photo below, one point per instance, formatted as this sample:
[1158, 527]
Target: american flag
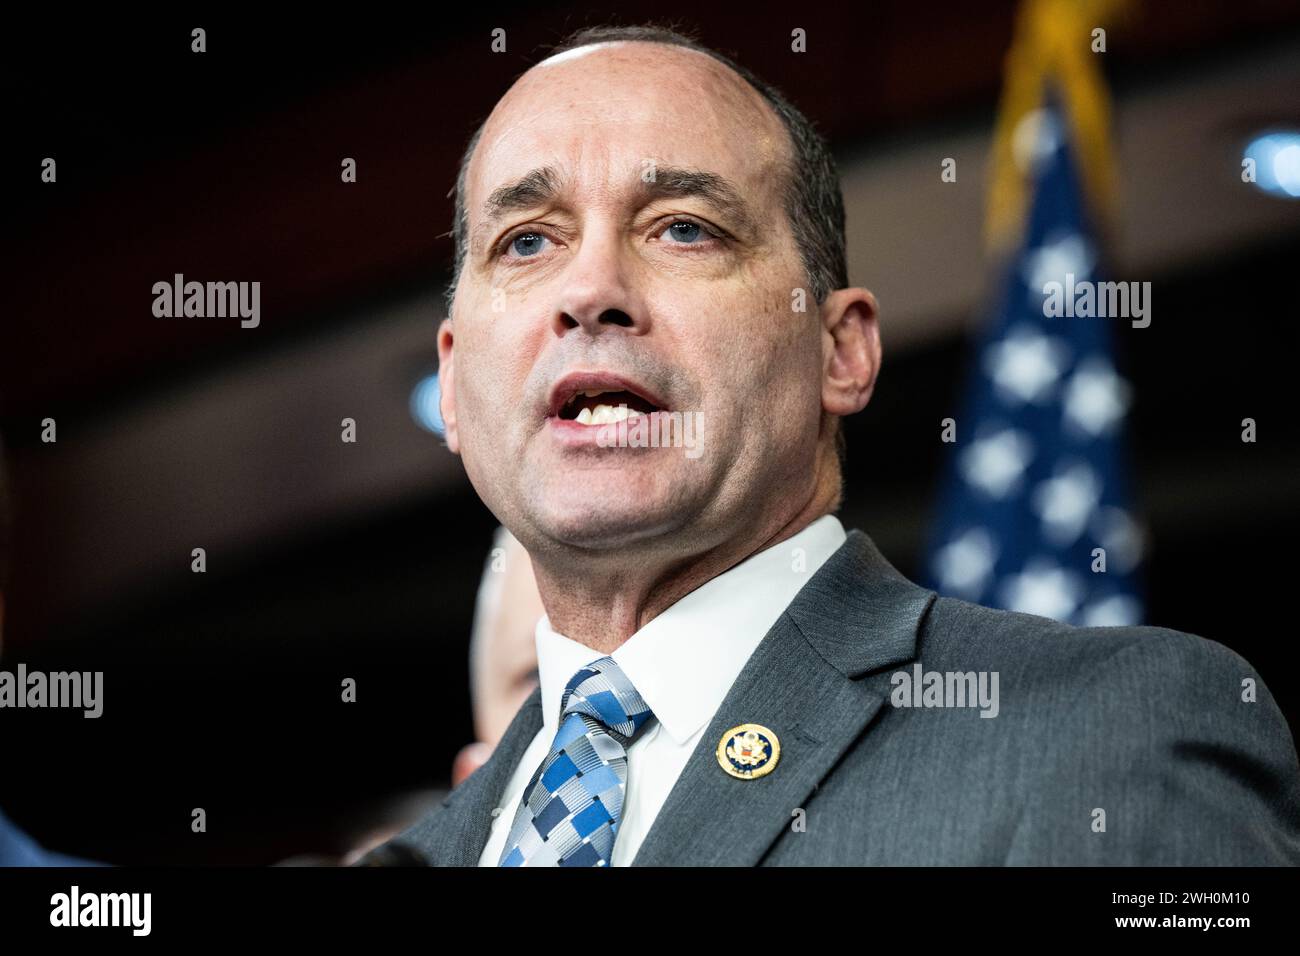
[1037, 481]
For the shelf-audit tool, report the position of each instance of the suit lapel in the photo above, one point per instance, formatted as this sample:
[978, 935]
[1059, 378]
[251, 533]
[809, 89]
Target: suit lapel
[856, 616]
[467, 812]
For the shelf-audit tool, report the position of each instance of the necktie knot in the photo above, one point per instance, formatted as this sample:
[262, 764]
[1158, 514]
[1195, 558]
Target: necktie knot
[602, 691]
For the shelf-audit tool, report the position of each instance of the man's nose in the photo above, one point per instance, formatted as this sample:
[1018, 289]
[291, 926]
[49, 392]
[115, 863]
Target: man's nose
[598, 294]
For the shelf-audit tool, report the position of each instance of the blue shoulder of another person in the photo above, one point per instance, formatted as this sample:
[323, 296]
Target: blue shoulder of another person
[18, 849]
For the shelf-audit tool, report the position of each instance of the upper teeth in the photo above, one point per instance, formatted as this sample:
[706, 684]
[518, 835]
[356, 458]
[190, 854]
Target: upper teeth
[605, 414]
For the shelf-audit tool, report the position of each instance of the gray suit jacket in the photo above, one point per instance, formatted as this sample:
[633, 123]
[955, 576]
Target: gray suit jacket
[1140, 730]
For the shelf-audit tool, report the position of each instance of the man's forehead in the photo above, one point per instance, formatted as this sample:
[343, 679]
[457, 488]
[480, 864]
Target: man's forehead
[596, 102]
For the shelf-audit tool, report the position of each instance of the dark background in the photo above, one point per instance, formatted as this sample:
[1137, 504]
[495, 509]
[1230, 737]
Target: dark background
[328, 561]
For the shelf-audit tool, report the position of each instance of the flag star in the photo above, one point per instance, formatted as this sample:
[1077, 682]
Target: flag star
[1044, 589]
[1036, 137]
[1026, 364]
[1095, 397]
[964, 564]
[996, 462]
[1058, 256]
[1118, 610]
[1066, 502]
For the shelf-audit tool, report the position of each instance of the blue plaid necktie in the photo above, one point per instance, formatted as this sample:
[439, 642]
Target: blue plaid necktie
[570, 811]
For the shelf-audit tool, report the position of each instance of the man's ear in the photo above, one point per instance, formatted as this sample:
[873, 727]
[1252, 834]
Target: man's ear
[447, 386]
[851, 350]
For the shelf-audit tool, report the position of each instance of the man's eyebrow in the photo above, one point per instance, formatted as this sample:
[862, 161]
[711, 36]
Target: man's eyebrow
[542, 185]
[536, 188]
[677, 182]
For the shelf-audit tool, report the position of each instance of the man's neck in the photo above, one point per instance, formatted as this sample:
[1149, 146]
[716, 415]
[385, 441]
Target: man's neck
[605, 608]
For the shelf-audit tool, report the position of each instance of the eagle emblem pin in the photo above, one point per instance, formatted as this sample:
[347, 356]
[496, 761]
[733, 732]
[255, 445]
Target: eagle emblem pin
[748, 751]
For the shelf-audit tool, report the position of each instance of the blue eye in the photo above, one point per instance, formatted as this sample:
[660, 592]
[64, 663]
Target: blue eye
[527, 244]
[684, 232]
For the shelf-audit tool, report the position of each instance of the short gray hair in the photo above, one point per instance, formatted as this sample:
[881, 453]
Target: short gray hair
[814, 203]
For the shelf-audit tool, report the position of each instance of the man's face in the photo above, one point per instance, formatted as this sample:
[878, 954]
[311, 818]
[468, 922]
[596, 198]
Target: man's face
[603, 273]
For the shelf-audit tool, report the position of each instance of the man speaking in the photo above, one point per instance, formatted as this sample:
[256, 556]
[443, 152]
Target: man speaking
[648, 235]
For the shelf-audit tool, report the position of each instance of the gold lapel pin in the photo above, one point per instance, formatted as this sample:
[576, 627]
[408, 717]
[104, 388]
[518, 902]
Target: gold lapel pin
[748, 751]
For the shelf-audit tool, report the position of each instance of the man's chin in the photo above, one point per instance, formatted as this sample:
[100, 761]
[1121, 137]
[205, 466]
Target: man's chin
[614, 499]
[602, 524]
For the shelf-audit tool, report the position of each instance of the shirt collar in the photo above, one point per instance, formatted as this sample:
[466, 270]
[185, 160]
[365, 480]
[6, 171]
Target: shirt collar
[685, 660]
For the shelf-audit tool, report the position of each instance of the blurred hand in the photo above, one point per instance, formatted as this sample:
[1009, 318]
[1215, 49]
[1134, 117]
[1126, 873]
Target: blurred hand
[471, 757]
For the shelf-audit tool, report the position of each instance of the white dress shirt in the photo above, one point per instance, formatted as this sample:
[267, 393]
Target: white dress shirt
[682, 663]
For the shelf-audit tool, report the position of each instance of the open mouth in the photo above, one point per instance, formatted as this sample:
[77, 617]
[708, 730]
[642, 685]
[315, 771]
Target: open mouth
[601, 398]
[595, 406]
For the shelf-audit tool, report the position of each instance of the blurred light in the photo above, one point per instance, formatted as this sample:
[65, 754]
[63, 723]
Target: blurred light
[425, 398]
[1277, 162]
[1037, 136]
